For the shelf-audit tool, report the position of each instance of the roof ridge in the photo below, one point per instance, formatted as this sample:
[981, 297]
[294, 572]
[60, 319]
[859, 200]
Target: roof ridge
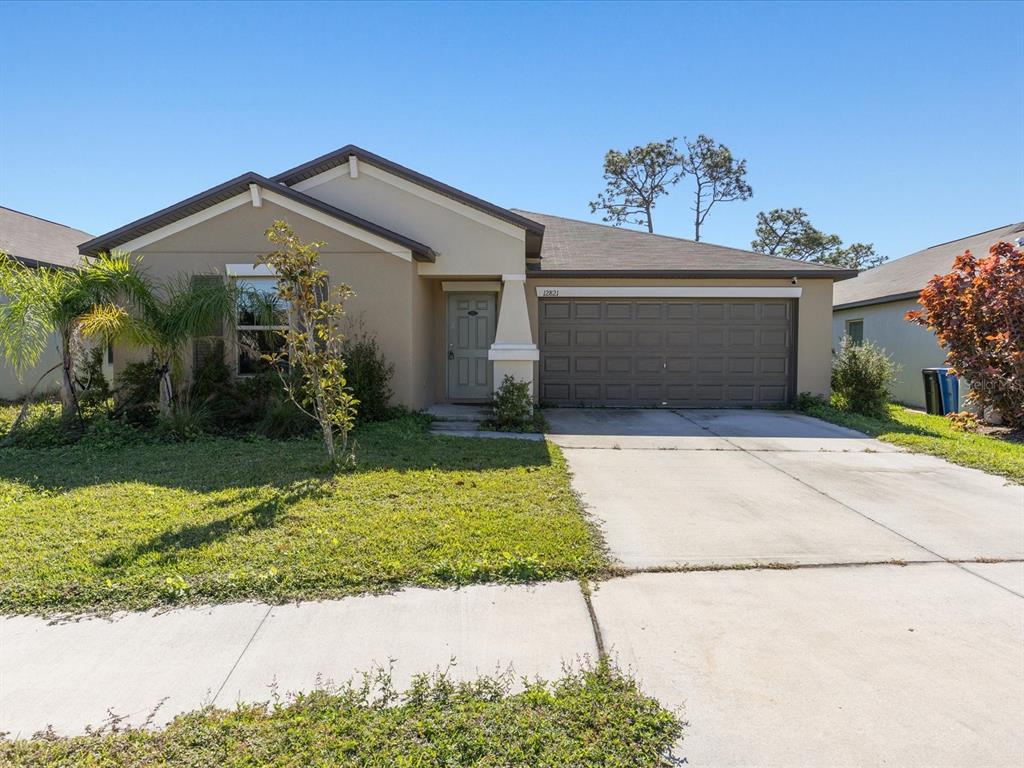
[785, 259]
[40, 218]
[1019, 224]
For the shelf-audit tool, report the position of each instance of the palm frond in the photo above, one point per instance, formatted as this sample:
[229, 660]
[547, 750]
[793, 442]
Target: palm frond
[27, 312]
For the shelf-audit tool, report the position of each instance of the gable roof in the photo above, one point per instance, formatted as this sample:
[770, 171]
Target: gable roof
[233, 188]
[904, 278]
[576, 248]
[534, 229]
[35, 241]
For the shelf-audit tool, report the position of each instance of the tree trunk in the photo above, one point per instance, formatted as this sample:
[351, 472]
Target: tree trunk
[650, 221]
[166, 391]
[68, 401]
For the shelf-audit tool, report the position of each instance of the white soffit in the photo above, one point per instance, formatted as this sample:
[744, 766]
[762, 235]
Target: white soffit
[667, 292]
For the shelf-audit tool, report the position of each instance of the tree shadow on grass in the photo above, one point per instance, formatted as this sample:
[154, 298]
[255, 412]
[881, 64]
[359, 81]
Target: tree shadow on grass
[224, 463]
[265, 513]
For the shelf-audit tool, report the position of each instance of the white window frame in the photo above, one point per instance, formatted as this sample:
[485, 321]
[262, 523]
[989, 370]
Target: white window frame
[248, 272]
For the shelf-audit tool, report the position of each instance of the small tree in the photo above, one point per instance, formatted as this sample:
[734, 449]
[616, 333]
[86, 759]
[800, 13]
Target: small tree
[634, 180]
[977, 313]
[788, 232]
[311, 362]
[168, 316]
[718, 177]
[71, 302]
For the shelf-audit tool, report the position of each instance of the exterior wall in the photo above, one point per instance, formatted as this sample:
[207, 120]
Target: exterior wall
[389, 300]
[814, 360]
[13, 387]
[466, 246]
[911, 346]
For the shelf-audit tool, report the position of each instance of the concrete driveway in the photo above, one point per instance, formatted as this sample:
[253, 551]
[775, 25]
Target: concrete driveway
[833, 656]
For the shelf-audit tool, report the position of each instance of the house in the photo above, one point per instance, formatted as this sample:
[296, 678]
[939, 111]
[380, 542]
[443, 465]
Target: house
[461, 292]
[872, 305]
[36, 242]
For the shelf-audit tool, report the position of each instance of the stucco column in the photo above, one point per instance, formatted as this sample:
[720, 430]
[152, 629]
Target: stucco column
[513, 351]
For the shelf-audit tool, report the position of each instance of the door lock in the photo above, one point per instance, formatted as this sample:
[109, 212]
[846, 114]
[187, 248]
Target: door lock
[451, 355]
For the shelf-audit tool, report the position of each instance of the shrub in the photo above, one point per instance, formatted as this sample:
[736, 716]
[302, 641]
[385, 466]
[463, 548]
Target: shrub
[805, 401]
[95, 389]
[283, 420]
[513, 405]
[861, 377]
[369, 376]
[977, 312]
[136, 391]
[185, 421]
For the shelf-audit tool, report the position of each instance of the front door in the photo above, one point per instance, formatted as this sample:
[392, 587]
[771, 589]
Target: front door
[471, 324]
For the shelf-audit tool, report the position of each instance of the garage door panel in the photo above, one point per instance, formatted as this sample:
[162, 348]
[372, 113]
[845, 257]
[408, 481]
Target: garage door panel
[618, 338]
[675, 352]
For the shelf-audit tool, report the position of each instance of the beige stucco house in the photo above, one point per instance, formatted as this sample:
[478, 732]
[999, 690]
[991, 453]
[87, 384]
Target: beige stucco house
[872, 306]
[461, 292]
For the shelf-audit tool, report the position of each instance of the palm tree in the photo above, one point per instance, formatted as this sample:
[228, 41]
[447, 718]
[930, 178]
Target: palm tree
[72, 302]
[170, 314]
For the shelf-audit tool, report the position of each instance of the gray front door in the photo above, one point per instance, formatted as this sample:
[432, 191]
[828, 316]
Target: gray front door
[671, 352]
[471, 324]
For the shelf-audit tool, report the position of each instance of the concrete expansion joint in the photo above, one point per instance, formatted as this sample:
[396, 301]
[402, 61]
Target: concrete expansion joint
[595, 625]
[245, 648]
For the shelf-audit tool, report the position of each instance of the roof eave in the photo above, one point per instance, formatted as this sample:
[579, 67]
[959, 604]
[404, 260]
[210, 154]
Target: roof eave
[128, 232]
[754, 274]
[338, 157]
[878, 300]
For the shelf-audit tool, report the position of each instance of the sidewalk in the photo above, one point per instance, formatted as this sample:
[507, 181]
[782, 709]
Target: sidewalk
[69, 675]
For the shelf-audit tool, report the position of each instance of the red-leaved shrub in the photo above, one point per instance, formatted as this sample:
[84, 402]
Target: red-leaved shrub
[977, 312]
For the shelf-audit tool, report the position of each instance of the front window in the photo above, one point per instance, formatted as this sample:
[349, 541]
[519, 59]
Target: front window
[855, 330]
[262, 314]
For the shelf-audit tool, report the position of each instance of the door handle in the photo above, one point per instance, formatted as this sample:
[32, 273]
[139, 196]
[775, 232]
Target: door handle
[451, 355]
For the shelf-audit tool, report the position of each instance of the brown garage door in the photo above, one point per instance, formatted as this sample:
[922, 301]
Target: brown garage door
[671, 352]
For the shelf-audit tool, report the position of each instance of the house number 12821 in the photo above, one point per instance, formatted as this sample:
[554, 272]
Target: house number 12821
[550, 292]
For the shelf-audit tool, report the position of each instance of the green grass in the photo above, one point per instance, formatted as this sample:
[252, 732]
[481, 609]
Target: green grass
[923, 433]
[592, 717]
[103, 524]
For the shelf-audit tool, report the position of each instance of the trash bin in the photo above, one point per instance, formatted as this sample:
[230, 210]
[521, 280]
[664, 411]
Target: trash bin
[941, 391]
[949, 385]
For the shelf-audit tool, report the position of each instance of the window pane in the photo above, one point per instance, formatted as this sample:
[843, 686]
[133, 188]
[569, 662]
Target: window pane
[855, 330]
[258, 302]
[252, 345]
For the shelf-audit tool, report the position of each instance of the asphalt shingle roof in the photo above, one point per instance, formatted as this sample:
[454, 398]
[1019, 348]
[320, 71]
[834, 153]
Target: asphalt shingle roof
[904, 278]
[583, 247]
[35, 240]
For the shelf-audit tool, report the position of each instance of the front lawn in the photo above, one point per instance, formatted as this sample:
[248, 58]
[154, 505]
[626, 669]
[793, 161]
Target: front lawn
[923, 433]
[589, 718]
[103, 525]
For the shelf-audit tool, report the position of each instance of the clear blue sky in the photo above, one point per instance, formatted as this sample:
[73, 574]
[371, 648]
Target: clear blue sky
[899, 124]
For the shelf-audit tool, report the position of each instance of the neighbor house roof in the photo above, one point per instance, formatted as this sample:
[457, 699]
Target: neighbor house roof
[233, 188]
[583, 248]
[904, 278]
[534, 229]
[36, 241]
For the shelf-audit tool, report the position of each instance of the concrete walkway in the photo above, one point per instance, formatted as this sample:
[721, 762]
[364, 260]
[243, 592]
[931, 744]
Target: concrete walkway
[70, 674]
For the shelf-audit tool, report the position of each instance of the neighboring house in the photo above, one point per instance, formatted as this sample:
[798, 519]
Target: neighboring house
[36, 242]
[871, 307]
[461, 292]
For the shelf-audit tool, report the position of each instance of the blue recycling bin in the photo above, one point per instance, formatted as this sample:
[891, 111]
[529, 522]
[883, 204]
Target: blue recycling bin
[942, 391]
